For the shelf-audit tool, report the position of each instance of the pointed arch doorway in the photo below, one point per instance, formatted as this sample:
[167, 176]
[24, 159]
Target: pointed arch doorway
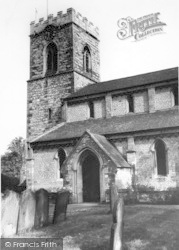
[89, 167]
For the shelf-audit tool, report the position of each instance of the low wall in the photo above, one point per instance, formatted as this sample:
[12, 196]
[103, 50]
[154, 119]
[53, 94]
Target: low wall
[134, 196]
[158, 197]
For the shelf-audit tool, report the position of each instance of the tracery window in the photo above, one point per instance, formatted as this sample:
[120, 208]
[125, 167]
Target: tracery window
[87, 60]
[51, 57]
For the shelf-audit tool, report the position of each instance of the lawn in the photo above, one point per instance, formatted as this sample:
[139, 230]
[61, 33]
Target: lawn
[146, 227]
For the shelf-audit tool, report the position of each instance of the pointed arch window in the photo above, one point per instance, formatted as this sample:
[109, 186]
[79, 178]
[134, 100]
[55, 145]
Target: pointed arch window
[61, 157]
[51, 57]
[161, 157]
[87, 60]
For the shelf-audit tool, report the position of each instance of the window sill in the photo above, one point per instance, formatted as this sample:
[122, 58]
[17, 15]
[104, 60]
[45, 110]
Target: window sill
[161, 178]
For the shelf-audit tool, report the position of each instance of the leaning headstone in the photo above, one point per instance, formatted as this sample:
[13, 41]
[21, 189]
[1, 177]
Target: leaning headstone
[113, 196]
[27, 211]
[62, 200]
[9, 214]
[42, 208]
[117, 226]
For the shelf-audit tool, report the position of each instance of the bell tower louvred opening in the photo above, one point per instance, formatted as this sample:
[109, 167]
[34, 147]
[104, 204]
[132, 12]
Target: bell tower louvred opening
[51, 57]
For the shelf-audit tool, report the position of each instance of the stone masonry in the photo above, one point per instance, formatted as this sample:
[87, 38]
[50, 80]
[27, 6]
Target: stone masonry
[70, 32]
[118, 105]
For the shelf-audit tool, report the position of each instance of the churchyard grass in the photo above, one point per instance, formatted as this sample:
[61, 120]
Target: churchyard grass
[146, 227]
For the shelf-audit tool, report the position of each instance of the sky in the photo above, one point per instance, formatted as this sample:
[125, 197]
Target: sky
[118, 58]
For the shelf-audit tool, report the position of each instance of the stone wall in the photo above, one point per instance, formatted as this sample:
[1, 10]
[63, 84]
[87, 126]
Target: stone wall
[120, 105]
[81, 81]
[45, 170]
[145, 170]
[70, 33]
[81, 39]
[45, 94]
[64, 19]
[99, 109]
[163, 98]
[141, 102]
[78, 112]
[38, 44]
[148, 185]
[121, 145]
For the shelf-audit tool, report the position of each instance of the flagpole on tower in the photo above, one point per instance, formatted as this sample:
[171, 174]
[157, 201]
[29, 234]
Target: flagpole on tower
[36, 15]
[47, 9]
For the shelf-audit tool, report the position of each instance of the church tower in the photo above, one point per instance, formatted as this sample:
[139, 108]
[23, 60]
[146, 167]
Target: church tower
[64, 57]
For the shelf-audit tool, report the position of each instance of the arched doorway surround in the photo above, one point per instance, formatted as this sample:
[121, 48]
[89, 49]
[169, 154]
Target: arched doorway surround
[89, 177]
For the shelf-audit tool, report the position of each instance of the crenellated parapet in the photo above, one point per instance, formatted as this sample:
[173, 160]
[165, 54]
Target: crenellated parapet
[71, 16]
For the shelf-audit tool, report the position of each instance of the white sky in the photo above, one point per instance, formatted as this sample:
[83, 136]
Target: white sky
[118, 58]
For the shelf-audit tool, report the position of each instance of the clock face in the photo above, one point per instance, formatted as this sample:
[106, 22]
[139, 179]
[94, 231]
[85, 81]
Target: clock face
[49, 32]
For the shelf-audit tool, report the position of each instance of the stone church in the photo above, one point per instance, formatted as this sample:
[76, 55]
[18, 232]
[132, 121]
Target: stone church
[85, 135]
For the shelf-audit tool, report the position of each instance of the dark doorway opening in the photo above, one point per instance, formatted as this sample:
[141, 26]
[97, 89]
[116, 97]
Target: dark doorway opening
[90, 175]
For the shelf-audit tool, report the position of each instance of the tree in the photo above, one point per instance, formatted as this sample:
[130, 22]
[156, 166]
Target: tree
[13, 159]
[17, 145]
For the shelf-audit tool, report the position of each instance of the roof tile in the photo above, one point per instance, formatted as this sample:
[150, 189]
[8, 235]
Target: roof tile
[114, 125]
[124, 83]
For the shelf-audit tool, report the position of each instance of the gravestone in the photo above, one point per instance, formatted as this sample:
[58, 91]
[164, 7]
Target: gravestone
[42, 208]
[62, 200]
[117, 226]
[9, 213]
[113, 196]
[26, 211]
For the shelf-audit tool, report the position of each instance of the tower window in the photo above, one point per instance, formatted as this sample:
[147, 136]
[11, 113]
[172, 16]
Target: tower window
[131, 103]
[61, 157]
[161, 158]
[87, 60]
[91, 109]
[51, 59]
